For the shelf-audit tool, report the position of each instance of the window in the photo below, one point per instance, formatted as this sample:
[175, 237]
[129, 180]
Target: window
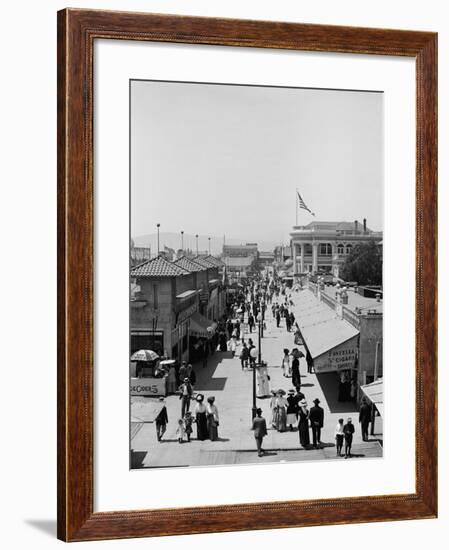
[340, 249]
[307, 248]
[325, 249]
[348, 248]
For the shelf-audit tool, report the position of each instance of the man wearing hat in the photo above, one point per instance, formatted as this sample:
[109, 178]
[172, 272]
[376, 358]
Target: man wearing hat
[316, 422]
[185, 394]
[296, 375]
[364, 418]
[348, 430]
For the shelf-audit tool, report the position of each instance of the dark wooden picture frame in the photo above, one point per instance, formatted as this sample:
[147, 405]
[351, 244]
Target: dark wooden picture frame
[77, 31]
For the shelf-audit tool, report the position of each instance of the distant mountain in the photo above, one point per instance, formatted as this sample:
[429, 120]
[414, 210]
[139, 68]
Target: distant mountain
[173, 240]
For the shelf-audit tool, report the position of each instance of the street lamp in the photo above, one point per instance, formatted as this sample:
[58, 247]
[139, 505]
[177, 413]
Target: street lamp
[196, 236]
[158, 225]
[253, 354]
[182, 241]
[208, 238]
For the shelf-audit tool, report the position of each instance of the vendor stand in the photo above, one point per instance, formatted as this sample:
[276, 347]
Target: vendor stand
[151, 377]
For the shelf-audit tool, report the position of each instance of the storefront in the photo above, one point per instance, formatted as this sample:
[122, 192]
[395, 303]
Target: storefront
[201, 331]
[147, 339]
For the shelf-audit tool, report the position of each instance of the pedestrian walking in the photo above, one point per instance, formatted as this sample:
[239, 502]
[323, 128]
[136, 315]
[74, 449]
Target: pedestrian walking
[161, 419]
[292, 409]
[188, 422]
[278, 318]
[212, 418]
[244, 356]
[296, 375]
[281, 406]
[287, 321]
[185, 394]
[285, 363]
[303, 425]
[348, 430]
[273, 407]
[316, 417]
[339, 436]
[251, 322]
[260, 430]
[222, 341]
[180, 431]
[364, 418]
[201, 418]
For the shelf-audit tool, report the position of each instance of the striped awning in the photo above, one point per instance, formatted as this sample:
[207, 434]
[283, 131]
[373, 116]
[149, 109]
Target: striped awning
[201, 327]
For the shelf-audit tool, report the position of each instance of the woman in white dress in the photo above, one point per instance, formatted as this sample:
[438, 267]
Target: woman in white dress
[286, 367]
[263, 384]
[281, 405]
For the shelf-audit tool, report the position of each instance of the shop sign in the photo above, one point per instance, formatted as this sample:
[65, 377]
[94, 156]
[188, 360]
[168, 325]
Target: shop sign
[148, 386]
[340, 358]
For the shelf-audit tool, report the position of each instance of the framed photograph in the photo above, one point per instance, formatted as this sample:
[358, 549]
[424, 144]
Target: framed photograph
[246, 275]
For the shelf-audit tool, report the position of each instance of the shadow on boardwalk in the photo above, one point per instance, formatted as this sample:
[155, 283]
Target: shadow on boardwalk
[329, 386]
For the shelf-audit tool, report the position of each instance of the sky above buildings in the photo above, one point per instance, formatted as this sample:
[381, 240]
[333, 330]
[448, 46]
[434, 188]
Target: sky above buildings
[220, 159]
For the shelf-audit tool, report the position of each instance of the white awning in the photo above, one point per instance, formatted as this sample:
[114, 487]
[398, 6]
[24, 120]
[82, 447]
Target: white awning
[320, 326]
[375, 393]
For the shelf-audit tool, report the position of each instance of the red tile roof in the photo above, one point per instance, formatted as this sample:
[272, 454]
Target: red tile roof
[204, 262]
[158, 267]
[189, 265]
[213, 260]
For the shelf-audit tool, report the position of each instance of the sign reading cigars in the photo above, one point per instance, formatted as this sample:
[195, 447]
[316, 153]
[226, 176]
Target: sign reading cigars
[341, 357]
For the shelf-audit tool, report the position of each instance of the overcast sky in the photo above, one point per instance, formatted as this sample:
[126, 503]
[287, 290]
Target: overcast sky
[222, 159]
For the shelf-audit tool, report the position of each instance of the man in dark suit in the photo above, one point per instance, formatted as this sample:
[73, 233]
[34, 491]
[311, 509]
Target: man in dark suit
[260, 430]
[316, 417]
[296, 375]
[364, 418]
[185, 394]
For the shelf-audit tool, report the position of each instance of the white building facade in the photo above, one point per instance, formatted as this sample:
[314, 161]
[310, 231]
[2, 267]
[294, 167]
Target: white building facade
[324, 246]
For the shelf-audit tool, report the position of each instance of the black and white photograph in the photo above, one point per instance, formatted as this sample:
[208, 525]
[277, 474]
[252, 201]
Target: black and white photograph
[256, 262]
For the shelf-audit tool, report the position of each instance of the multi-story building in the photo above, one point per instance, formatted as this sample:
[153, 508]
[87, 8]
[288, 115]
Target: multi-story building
[239, 259]
[173, 304]
[324, 246]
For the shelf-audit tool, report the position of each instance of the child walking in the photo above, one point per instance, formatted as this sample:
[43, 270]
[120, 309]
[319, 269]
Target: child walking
[188, 421]
[180, 430]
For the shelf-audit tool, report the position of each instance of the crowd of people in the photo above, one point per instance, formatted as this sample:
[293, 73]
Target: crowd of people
[289, 410]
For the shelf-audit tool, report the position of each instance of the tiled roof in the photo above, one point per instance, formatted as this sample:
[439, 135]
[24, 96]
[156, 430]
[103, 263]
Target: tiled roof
[213, 260]
[189, 265]
[158, 267]
[203, 262]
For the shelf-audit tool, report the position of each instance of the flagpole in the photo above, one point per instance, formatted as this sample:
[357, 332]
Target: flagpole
[296, 203]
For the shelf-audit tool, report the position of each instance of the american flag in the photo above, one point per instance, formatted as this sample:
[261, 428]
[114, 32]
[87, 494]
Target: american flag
[303, 205]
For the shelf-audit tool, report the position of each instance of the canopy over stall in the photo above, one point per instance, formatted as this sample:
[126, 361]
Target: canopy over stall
[201, 327]
[375, 393]
[331, 341]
